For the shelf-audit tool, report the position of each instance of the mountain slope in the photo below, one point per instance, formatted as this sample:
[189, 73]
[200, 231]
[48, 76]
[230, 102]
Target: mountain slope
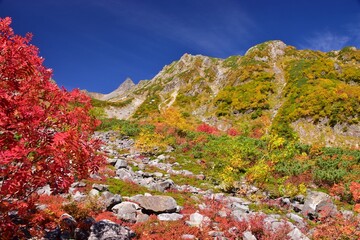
[274, 87]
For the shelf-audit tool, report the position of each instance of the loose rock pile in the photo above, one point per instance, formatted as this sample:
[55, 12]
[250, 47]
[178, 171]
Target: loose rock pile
[138, 208]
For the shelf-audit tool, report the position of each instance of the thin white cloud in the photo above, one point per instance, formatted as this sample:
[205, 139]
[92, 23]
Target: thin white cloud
[219, 34]
[325, 41]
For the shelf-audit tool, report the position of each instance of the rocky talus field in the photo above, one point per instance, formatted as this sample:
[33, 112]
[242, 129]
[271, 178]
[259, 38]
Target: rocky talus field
[156, 197]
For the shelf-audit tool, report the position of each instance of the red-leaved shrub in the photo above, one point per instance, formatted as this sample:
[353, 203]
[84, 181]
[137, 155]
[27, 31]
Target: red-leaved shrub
[233, 132]
[206, 128]
[339, 227]
[45, 131]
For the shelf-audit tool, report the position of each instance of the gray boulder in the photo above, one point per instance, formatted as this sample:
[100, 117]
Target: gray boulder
[120, 163]
[162, 186]
[239, 215]
[107, 230]
[156, 204]
[125, 174]
[126, 211]
[318, 204]
[299, 221]
[110, 200]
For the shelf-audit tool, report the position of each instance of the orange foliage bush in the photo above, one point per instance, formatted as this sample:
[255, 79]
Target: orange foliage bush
[355, 191]
[338, 227]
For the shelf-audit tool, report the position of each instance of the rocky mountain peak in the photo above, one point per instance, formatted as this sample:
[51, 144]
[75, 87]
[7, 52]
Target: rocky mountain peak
[122, 90]
[125, 86]
[263, 84]
[270, 49]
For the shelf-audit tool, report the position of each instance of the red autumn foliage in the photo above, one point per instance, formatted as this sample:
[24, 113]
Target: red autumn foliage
[206, 128]
[233, 132]
[154, 229]
[45, 132]
[355, 191]
[109, 216]
[257, 133]
[339, 227]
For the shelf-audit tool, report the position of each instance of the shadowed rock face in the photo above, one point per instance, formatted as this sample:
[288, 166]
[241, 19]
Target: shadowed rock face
[106, 229]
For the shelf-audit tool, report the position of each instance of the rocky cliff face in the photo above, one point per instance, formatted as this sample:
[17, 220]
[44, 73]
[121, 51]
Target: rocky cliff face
[272, 87]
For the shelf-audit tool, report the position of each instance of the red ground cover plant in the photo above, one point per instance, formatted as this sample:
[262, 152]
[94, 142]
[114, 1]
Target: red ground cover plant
[206, 128]
[339, 227]
[109, 216]
[154, 229]
[233, 132]
[45, 131]
[355, 191]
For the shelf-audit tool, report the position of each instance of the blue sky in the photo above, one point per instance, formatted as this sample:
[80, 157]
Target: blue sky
[96, 44]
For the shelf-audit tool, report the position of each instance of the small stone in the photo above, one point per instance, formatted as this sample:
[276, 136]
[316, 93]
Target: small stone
[111, 161]
[78, 184]
[100, 187]
[347, 214]
[222, 214]
[215, 234]
[187, 173]
[94, 193]
[299, 220]
[197, 220]
[238, 215]
[45, 190]
[201, 177]
[161, 157]
[239, 206]
[247, 235]
[296, 234]
[78, 196]
[158, 174]
[95, 176]
[188, 237]
[120, 163]
[162, 186]
[169, 216]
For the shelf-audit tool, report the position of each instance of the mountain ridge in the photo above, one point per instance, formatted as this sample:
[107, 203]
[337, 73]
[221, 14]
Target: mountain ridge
[269, 88]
